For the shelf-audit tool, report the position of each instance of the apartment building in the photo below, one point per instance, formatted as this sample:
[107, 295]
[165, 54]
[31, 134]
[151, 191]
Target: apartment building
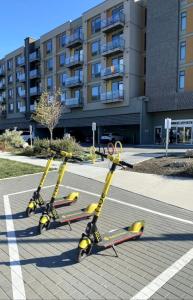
[169, 71]
[97, 61]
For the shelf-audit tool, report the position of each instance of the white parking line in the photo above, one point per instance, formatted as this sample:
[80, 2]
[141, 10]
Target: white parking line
[134, 206]
[16, 272]
[164, 277]
[31, 190]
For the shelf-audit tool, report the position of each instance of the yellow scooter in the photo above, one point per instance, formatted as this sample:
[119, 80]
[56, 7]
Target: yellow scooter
[92, 236]
[37, 200]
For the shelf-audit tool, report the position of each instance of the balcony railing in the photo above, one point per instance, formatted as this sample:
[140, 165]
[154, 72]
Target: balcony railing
[112, 96]
[34, 74]
[21, 77]
[73, 81]
[34, 91]
[2, 72]
[74, 39]
[117, 20]
[21, 61]
[117, 45]
[32, 107]
[72, 102]
[113, 71]
[22, 109]
[34, 56]
[74, 60]
[21, 93]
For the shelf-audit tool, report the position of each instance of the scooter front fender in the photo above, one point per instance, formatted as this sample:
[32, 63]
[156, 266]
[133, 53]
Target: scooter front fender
[44, 219]
[32, 204]
[84, 243]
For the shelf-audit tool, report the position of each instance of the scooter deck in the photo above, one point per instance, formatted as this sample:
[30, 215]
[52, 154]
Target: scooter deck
[74, 216]
[60, 202]
[117, 236]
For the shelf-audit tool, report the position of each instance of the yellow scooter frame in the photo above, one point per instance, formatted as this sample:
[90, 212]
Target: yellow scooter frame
[92, 236]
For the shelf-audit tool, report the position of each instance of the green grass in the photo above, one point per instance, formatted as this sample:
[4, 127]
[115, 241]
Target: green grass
[9, 168]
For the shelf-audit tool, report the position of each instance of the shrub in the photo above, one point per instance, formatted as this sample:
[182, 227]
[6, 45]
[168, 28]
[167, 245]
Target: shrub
[12, 138]
[189, 153]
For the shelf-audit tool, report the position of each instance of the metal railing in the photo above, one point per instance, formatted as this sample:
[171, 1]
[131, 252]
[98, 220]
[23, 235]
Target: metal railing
[77, 58]
[70, 81]
[70, 102]
[112, 96]
[77, 36]
[34, 73]
[118, 43]
[34, 56]
[112, 70]
[34, 90]
[114, 19]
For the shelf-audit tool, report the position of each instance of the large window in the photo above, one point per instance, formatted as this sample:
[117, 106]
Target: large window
[10, 107]
[182, 50]
[96, 24]
[62, 40]
[96, 93]
[10, 93]
[49, 83]
[183, 21]
[181, 79]
[95, 48]
[62, 59]
[49, 64]
[49, 46]
[63, 77]
[96, 70]
[10, 64]
[10, 78]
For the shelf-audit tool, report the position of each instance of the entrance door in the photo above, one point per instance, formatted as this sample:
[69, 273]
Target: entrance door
[158, 135]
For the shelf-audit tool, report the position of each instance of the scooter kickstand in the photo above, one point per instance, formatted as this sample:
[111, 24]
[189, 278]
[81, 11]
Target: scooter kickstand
[69, 226]
[116, 254]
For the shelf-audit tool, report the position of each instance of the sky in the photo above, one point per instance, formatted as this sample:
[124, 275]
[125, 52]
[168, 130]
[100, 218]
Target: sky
[22, 18]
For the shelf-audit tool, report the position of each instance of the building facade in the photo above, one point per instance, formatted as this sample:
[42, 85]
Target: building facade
[97, 61]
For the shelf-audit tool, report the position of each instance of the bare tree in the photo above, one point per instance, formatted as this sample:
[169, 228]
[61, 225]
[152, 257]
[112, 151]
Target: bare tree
[48, 111]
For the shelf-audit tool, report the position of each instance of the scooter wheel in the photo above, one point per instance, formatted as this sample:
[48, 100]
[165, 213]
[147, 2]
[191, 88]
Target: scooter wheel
[29, 211]
[83, 253]
[43, 227]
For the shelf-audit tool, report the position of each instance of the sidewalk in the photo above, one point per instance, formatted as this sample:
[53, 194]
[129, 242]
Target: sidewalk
[175, 191]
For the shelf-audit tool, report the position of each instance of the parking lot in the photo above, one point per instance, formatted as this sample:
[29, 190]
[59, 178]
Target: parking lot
[43, 266]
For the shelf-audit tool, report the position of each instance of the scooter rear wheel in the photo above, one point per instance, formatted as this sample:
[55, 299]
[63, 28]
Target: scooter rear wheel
[43, 227]
[83, 253]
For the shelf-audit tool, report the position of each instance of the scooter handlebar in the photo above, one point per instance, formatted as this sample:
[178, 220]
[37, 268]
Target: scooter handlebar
[101, 154]
[77, 158]
[121, 163]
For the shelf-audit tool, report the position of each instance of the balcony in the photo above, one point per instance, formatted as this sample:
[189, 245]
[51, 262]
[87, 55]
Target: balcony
[21, 77]
[2, 85]
[74, 40]
[34, 74]
[34, 56]
[21, 61]
[21, 93]
[2, 72]
[72, 102]
[114, 22]
[113, 72]
[73, 81]
[74, 61]
[34, 91]
[32, 107]
[112, 96]
[113, 47]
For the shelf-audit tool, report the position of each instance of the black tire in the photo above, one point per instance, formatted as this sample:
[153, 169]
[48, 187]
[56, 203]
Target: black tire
[43, 227]
[29, 212]
[83, 253]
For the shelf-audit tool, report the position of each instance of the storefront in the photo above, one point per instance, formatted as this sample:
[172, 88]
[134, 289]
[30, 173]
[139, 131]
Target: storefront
[181, 132]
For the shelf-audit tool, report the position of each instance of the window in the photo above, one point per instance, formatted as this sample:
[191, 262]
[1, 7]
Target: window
[116, 12]
[62, 40]
[183, 21]
[182, 50]
[10, 78]
[11, 107]
[79, 73]
[49, 82]
[96, 70]
[62, 59]
[77, 94]
[95, 48]
[49, 64]
[117, 89]
[181, 79]
[96, 25]
[10, 93]
[10, 64]
[49, 46]
[63, 77]
[96, 92]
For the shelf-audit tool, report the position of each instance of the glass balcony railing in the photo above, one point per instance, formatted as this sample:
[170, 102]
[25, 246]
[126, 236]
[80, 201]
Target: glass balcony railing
[34, 91]
[75, 38]
[73, 81]
[21, 61]
[34, 73]
[32, 107]
[114, 46]
[74, 60]
[73, 102]
[34, 56]
[115, 20]
[112, 96]
[22, 109]
[21, 93]
[115, 70]
[21, 77]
